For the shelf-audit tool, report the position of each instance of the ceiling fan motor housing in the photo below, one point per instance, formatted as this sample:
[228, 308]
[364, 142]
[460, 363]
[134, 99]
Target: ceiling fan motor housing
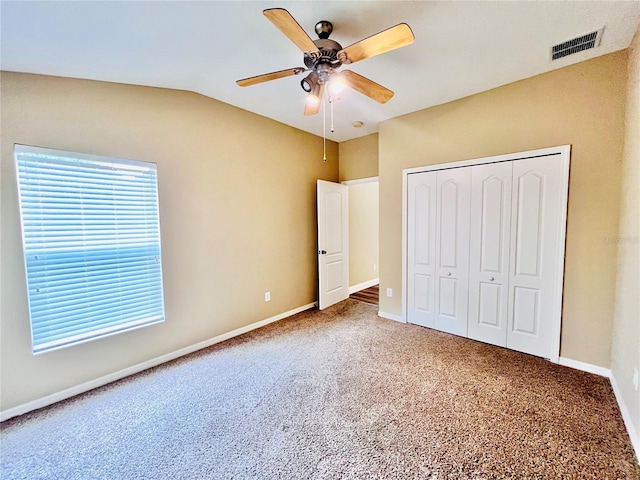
[327, 61]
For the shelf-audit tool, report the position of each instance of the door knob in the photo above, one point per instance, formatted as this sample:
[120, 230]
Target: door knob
[322, 252]
[491, 279]
[448, 274]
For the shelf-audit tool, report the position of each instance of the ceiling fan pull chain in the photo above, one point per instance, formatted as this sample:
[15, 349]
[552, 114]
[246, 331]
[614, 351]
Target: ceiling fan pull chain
[331, 103]
[324, 132]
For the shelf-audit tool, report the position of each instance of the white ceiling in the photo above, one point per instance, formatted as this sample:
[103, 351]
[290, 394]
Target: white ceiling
[461, 48]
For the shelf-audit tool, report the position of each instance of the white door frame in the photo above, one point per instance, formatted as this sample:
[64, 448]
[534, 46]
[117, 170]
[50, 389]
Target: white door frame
[563, 153]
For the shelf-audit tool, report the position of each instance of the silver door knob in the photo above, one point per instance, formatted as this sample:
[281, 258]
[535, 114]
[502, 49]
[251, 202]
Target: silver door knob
[492, 279]
[448, 274]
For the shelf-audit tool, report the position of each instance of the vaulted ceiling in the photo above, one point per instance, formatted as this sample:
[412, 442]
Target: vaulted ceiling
[460, 48]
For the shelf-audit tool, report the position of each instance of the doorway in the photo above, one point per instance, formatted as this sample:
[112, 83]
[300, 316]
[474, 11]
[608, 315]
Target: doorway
[363, 233]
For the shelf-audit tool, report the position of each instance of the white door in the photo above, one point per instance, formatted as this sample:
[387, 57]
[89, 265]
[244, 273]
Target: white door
[452, 249]
[536, 244]
[421, 249]
[333, 243]
[489, 252]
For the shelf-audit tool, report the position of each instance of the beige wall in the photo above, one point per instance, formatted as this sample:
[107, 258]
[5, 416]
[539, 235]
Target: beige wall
[363, 232]
[626, 325]
[359, 158]
[237, 213]
[581, 105]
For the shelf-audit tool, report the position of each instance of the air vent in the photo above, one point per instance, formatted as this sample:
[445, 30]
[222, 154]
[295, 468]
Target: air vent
[585, 42]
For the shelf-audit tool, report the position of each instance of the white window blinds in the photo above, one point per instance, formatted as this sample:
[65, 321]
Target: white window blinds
[91, 237]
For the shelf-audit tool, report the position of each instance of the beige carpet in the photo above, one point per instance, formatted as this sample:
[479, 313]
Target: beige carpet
[332, 395]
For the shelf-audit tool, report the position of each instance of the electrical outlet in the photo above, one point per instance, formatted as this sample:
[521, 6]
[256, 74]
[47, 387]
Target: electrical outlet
[267, 296]
[375, 267]
[635, 378]
[389, 292]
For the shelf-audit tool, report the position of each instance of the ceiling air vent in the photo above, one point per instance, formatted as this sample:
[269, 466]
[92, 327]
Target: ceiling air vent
[585, 42]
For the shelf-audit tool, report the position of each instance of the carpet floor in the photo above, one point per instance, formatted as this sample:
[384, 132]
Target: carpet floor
[332, 394]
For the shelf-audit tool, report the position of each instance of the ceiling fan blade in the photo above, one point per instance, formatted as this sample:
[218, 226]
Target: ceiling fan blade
[385, 41]
[245, 82]
[288, 25]
[311, 108]
[367, 87]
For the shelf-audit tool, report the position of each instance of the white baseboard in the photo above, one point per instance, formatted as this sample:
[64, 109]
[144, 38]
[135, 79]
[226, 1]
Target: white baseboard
[391, 316]
[626, 416]
[112, 377]
[363, 285]
[585, 367]
[624, 411]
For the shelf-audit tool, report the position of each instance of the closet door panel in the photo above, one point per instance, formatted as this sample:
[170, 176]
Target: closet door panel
[452, 250]
[535, 217]
[421, 226]
[489, 252]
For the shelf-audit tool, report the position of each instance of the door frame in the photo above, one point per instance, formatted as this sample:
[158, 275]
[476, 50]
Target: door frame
[564, 153]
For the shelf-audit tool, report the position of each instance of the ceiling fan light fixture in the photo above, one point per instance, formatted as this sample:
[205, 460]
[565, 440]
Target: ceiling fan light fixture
[309, 82]
[314, 96]
[337, 83]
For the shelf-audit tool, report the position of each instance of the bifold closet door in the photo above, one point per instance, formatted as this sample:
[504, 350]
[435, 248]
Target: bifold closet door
[421, 248]
[453, 190]
[485, 251]
[535, 271]
[490, 237]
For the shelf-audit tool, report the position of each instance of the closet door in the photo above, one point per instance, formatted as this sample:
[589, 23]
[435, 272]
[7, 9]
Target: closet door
[421, 248]
[535, 243]
[452, 250]
[489, 252]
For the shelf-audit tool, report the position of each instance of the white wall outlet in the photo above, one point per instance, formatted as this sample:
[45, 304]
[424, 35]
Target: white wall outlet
[635, 378]
[389, 292]
[267, 296]
[375, 267]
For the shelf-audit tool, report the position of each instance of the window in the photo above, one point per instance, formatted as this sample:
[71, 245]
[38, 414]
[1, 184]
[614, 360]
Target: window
[91, 238]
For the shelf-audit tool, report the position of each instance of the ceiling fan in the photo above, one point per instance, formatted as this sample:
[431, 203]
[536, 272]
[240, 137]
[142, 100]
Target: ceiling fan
[323, 58]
